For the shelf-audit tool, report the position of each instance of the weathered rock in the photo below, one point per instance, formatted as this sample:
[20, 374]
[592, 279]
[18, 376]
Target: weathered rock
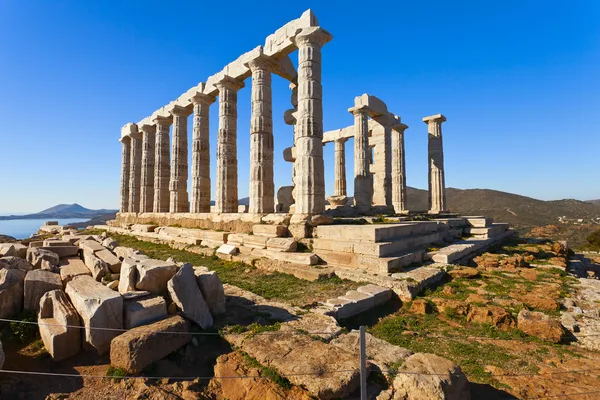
[134, 350]
[99, 307]
[187, 295]
[72, 267]
[35, 255]
[110, 243]
[282, 244]
[91, 246]
[11, 262]
[143, 311]
[11, 292]
[112, 261]
[212, 290]
[493, 315]
[447, 305]
[428, 377]
[464, 272]
[124, 252]
[540, 302]
[58, 321]
[13, 250]
[38, 282]
[114, 285]
[153, 275]
[228, 249]
[129, 274]
[421, 306]
[323, 326]
[539, 324]
[1, 355]
[97, 267]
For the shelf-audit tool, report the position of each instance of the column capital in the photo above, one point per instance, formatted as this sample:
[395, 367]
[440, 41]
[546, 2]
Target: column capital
[341, 140]
[227, 82]
[399, 127]
[162, 120]
[359, 110]
[312, 35]
[434, 118]
[201, 98]
[262, 62]
[179, 111]
[147, 128]
[128, 129]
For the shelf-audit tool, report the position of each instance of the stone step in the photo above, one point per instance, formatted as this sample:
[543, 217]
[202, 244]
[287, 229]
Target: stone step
[478, 221]
[375, 232]
[358, 301]
[488, 231]
[298, 258]
[464, 248]
[270, 230]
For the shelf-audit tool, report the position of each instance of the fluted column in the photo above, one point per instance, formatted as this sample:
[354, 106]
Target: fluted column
[340, 167]
[310, 181]
[179, 201]
[147, 174]
[226, 199]
[262, 187]
[162, 166]
[200, 202]
[363, 181]
[437, 185]
[135, 172]
[125, 167]
[398, 169]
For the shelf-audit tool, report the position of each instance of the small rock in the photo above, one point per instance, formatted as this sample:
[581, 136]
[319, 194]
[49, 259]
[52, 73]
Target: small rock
[493, 315]
[464, 272]
[421, 306]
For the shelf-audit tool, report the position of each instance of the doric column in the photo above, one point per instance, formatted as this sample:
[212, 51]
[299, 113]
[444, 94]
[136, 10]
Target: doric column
[200, 202]
[147, 175]
[309, 192]
[363, 181]
[162, 165]
[125, 166]
[226, 198]
[262, 187]
[179, 161]
[398, 169]
[437, 185]
[135, 172]
[383, 189]
[340, 167]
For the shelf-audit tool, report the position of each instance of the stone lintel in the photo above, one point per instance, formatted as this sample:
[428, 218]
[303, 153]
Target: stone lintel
[434, 118]
[280, 42]
[161, 120]
[262, 62]
[359, 110]
[375, 105]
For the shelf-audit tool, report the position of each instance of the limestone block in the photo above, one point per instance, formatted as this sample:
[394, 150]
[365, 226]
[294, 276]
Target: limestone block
[299, 231]
[35, 255]
[359, 302]
[129, 275]
[269, 230]
[56, 242]
[282, 244]
[143, 228]
[110, 243]
[236, 239]
[15, 263]
[56, 312]
[143, 311]
[97, 267]
[228, 249]
[98, 307]
[90, 245]
[62, 251]
[124, 252]
[339, 246]
[153, 275]
[187, 295]
[73, 239]
[379, 294]
[298, 258]
[212, 290]
[479, 222]
[255, 242]
[211, 243]
[11, 292]
[276, 219]
[38, 282]
[13, 249]
[112, 261]
[136, 349]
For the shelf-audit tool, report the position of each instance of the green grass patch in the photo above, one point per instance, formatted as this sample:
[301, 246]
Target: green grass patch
[116, 374]
[23, 332]
[268, 372]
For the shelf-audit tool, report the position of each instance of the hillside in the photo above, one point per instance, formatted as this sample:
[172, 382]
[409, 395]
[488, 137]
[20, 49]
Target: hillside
[507, 207]
[62, 211]
[596, 202]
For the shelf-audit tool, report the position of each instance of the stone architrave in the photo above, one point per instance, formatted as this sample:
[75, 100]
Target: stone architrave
[226, 197]
[262, 187]
[363, 181]
[309, 192]
[162, 165]
[200, 202]
[125, 168]
[179, 161]
[437, 185]
[135, 172]
[147, 174]
[398, 169]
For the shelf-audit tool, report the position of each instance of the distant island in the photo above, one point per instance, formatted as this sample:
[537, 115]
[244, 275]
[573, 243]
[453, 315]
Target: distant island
[63, 211]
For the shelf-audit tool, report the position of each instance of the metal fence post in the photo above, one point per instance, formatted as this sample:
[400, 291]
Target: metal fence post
[363, 365]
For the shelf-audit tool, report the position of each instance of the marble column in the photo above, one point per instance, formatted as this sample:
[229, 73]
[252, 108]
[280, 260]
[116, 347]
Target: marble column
[200, 202]
[226, 198]
[309, 190]
[135, 172]
[162, 165]
[179, 201]
[437, 185]
[125, 167]
[383, 175]
[363, 181]
[340, 167]
[147, 175]
[262, 187]
[398, 169]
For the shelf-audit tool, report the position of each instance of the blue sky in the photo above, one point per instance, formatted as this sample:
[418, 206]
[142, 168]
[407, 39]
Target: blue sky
[517, 80]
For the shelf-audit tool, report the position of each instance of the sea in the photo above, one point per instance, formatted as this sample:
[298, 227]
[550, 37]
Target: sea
[24, 228]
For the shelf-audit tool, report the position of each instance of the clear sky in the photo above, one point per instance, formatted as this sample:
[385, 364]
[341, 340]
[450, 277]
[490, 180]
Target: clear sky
[517, 80]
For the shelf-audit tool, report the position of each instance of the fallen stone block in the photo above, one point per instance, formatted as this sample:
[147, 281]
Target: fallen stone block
[15, 263]
[11, 292]
[63, 251]
[99, 307]
[58, 321]
[110, 243]
[227, 249]
[129, 275]
[35, 255]
[134, 350]
[153, 275]
[212, 290]
[56, 242]
[97, 267]
[72, 267]
[13, 250]
[38, 282]
[187, 295]
[124, 252]
[142, 311]
[112, 261]
[91, 246]
[282, 244]
[319, 325]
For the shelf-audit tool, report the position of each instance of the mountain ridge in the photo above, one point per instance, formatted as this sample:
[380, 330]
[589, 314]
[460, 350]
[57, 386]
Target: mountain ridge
[62, 211]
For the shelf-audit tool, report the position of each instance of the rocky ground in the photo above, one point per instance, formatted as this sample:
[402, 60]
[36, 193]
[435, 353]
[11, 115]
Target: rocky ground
[514, 321]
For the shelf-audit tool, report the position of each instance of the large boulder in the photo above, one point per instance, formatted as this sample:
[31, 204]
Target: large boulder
[13, 249]
[38, 282]
[58, 321]
[153, 275]
[99, 307]
[11, 292]
[139, 347]
[187, 295]
[112, 262]
[539, 324]
[35, 255]
[212, 290]
[15, 263]
[428, 377]
[142, 311]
